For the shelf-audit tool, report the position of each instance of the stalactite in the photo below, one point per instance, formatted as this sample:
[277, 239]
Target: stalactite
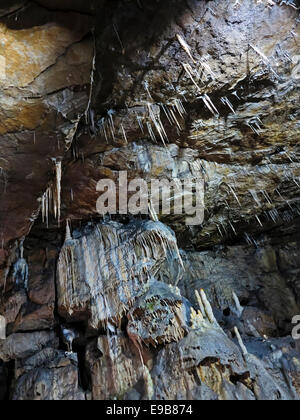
[91, 80]
[20, 270]
[68, 337]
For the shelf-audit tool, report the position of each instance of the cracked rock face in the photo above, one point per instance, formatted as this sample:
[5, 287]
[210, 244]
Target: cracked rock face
[146, 307]
[108, 268]
[47, 64]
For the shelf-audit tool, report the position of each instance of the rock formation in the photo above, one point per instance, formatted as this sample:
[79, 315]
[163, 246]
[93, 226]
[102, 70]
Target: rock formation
[136, 306]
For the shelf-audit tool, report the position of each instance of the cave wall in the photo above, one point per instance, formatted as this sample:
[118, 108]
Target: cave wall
[162, 90]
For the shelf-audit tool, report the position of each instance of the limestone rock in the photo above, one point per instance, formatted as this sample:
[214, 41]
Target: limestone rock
[262, 322]
[177, 373]
[100, 275]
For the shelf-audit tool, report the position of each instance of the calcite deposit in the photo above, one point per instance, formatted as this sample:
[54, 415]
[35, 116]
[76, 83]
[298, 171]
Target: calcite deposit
[144, 306]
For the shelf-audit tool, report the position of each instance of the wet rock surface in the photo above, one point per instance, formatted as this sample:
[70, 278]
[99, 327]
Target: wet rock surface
[127, 307]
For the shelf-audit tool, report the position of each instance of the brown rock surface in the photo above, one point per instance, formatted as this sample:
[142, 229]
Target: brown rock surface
[115, 367]
[47, 64]
[100, 276]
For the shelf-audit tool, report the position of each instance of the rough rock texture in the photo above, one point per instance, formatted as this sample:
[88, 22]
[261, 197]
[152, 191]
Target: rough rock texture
[104, 271]
[159, 316]
[127, 307]
[114, 365]
[48, 375]
[43, 94]
[248, 155]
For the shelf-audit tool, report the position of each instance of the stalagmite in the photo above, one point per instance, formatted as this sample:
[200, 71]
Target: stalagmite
[174, 94]
[196, 319]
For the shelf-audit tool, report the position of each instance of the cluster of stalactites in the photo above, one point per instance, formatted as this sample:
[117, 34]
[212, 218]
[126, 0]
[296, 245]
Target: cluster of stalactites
[119, 276]
[51, 199]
